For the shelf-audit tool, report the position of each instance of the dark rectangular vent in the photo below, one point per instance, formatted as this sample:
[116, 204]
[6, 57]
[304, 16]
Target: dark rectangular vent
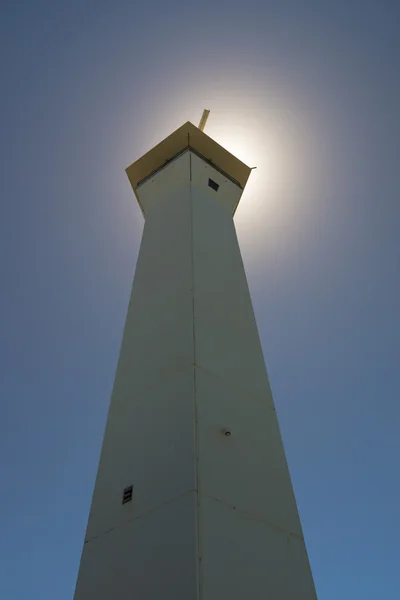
[213, 185]
[127, 495]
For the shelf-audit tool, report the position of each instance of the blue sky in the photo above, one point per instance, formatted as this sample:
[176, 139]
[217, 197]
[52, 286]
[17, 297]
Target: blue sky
[309, 93]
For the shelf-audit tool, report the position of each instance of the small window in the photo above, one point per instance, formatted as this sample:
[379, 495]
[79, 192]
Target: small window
[127, 495]
[213, 184]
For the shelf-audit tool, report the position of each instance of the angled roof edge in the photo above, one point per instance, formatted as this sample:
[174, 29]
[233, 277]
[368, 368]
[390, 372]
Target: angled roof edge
[188, 136]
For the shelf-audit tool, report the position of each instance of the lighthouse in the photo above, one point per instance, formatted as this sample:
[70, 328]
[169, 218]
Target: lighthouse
[193, 498]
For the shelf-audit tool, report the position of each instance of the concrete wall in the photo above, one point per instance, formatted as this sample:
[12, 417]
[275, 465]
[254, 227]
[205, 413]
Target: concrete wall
[213, 516]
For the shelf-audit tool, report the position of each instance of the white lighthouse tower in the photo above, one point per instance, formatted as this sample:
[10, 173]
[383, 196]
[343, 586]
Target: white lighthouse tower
[193, 498]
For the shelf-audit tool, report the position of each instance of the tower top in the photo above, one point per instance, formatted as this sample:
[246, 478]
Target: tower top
[188, 137]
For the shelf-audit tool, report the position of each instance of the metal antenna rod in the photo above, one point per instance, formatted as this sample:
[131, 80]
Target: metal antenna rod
[203, 119]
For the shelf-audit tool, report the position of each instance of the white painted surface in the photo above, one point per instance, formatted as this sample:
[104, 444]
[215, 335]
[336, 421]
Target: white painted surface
[149, 557]
[212, 516]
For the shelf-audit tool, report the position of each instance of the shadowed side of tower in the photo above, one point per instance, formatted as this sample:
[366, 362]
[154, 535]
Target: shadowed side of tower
[193, 498]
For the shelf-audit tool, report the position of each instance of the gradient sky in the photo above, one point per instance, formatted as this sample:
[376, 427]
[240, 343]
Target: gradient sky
[307, 91]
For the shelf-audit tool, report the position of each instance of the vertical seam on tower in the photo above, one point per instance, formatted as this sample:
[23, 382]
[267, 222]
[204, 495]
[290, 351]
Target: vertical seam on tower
[196, 440]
